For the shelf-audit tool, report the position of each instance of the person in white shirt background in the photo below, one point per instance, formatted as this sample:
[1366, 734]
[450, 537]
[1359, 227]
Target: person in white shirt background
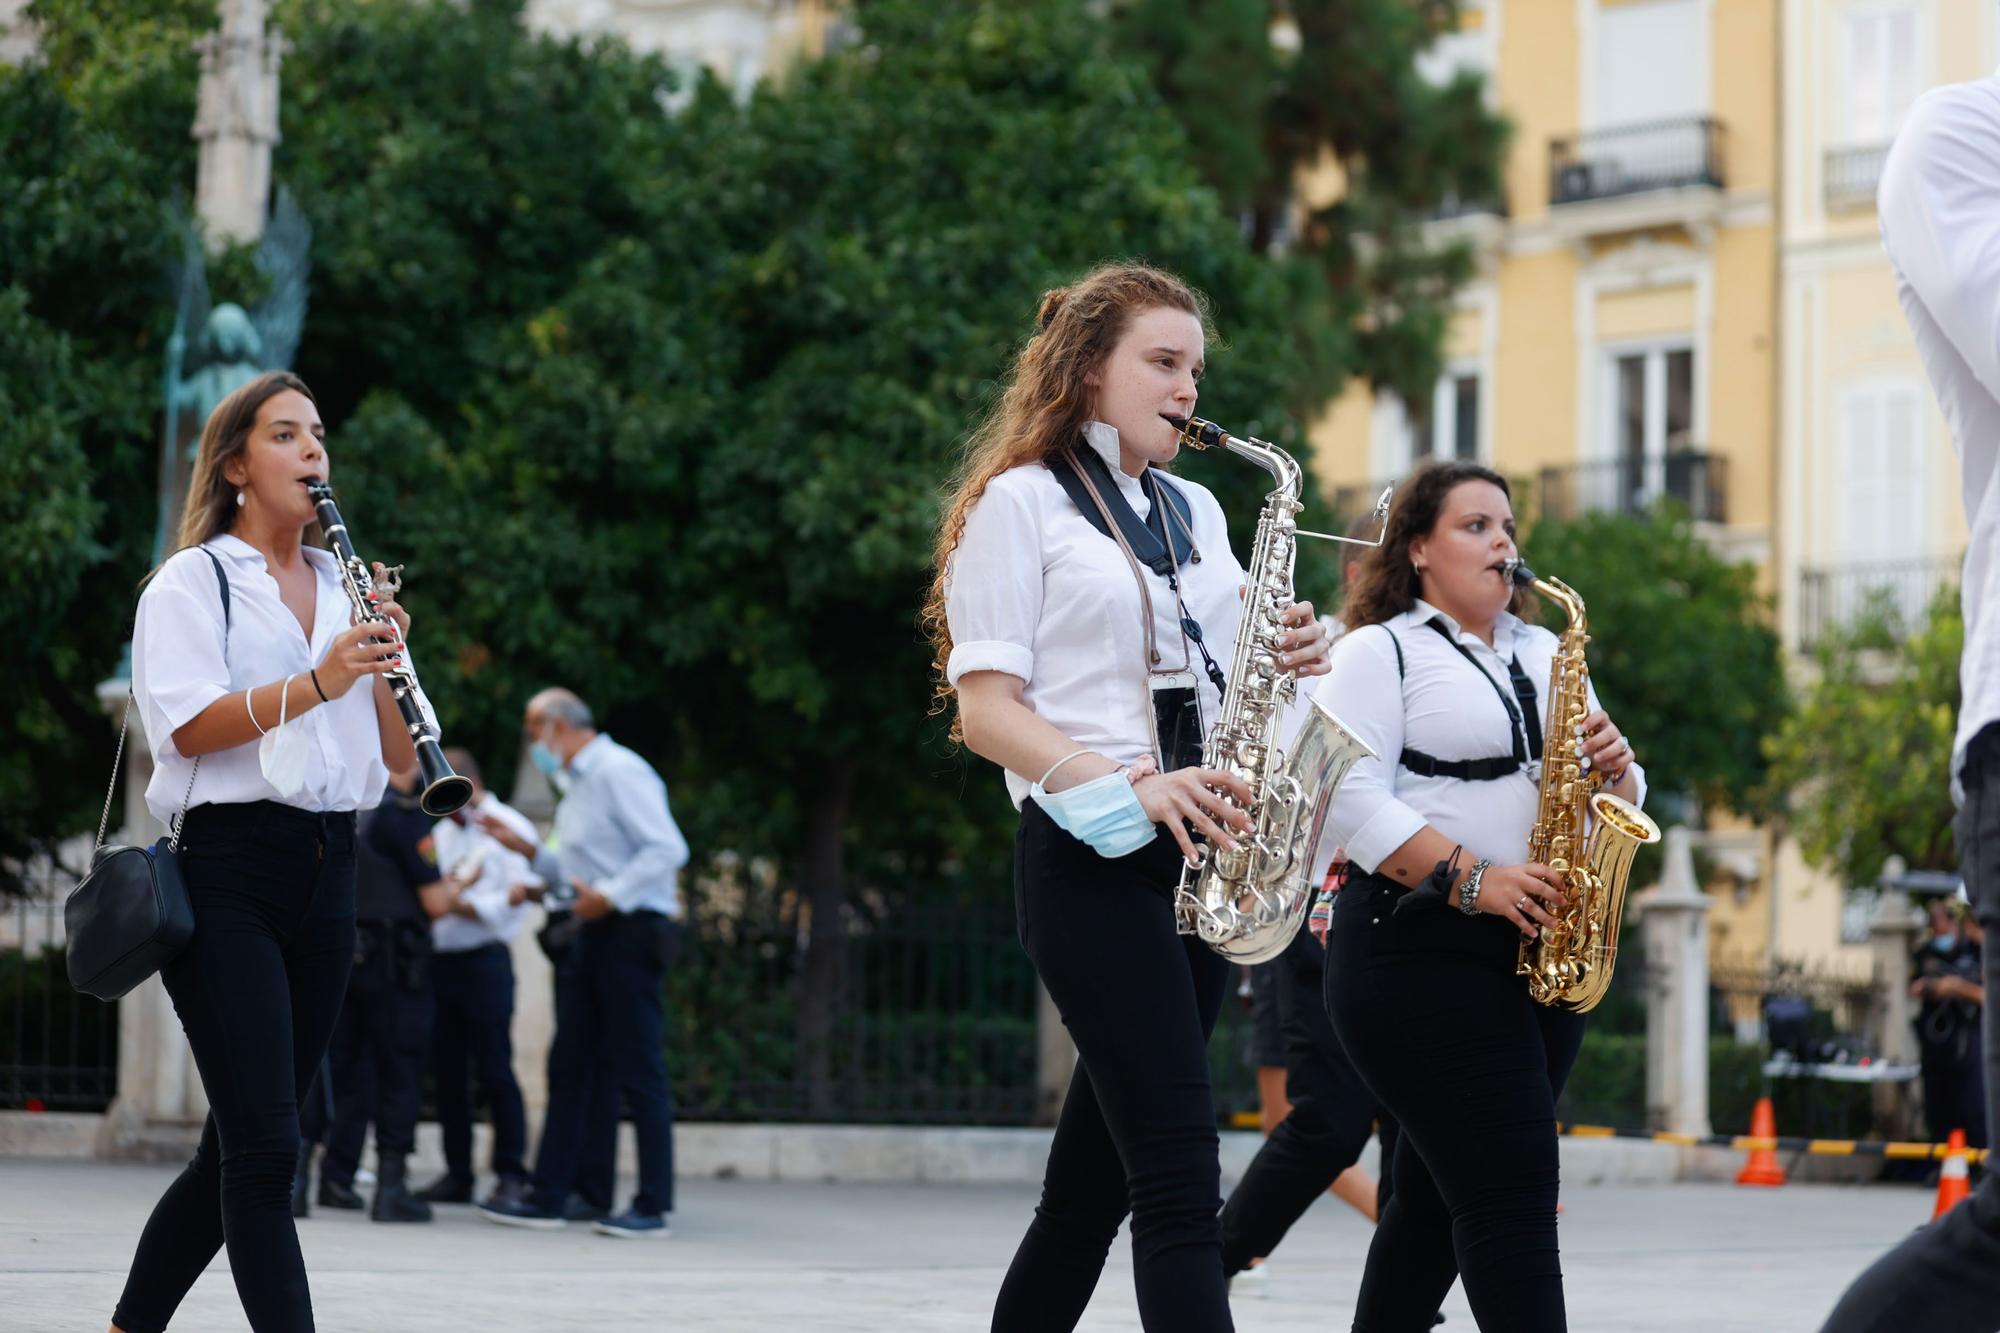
[1071, 669]
[1446, 683]
[1939, 203]
[472, 976]
[258, 729]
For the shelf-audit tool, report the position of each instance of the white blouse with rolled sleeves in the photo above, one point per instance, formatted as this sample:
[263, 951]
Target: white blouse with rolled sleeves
[182, 661]
[1037, 592]
[1440, 708]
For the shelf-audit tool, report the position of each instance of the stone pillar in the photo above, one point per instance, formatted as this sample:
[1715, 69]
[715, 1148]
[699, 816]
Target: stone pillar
[159, 1088]
[1892, 942]
[1055, 1058]
[1675, 919]
[236, 122]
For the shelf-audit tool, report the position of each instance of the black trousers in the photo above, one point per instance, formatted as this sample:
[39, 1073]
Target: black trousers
[256, 989]
[597, 1158]
[1428, 1008]
[617, 1032]
[475, 1009]
[1332, 1115]
[380, 1047]
[1137, 1130]
[1946, 1277]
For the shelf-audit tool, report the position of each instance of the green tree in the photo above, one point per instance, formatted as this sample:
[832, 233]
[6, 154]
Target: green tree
[1866, 759]
[1259, 112]
[1681, 649]
[653, 405]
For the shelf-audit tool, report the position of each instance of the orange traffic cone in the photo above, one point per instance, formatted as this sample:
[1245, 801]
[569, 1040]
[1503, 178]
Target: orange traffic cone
[1761, 1167]
[1953, 1182]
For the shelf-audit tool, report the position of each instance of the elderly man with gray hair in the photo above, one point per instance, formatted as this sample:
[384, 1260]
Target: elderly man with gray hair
[618, 850]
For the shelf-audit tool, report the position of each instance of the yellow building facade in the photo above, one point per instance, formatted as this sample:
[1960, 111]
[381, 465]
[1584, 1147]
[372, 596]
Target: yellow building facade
[1683, 294]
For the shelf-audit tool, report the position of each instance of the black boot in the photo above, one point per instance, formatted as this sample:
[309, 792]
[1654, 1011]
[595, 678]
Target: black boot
[302, 1182]
[393, 1200]
[447, 1188]
[335, 1194]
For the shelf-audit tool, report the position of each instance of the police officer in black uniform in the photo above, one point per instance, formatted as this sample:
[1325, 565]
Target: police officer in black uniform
[1950, 1006]
[383, 1037]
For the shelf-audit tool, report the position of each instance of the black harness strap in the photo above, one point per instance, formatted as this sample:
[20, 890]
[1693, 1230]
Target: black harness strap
[1524, 721]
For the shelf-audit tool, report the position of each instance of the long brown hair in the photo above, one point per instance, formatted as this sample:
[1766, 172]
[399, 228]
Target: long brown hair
[211, 500]
[1387, 584]
[1044, 406]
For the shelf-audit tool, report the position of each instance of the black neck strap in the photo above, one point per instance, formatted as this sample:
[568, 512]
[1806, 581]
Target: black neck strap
[1160, 545]
[1524, 720]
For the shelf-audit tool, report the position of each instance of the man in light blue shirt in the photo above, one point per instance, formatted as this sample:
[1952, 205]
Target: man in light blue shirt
[618, 850]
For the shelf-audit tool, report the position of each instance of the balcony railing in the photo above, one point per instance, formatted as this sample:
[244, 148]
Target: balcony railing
[1630, 159]
[1695, 480]
[1833, 597]
[1851, 176]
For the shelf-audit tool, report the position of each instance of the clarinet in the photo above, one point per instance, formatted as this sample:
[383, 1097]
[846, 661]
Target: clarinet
[443, 790]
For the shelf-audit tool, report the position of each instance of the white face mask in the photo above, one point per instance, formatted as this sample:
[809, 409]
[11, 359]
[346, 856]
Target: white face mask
[282, 752]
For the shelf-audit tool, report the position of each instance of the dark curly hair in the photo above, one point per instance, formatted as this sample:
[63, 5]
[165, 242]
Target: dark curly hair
[1387, 584]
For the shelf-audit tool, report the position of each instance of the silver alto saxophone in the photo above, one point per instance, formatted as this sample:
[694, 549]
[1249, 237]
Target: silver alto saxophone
[1248, 904]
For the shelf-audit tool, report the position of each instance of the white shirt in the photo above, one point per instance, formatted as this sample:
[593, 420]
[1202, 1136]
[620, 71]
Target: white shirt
[615, 831]
[182, 661]
[1037, 592]
[499, 871]
[1940, 209]
[1443, 709]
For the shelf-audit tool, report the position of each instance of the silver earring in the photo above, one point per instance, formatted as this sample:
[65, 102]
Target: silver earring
[239, 499]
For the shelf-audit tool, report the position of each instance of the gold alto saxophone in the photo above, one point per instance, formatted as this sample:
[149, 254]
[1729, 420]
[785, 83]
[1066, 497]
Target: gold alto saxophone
[1248, 904]
[1586, 835]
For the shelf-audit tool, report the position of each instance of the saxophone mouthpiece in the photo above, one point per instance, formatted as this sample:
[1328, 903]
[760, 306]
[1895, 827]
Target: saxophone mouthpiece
[1517, 573]
[1199, 434]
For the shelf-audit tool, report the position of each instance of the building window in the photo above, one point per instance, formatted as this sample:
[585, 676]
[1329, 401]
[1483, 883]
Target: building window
[1449, 429]
[1882, 460]
[1647, 58]
[1649, 436]
[1881, 72]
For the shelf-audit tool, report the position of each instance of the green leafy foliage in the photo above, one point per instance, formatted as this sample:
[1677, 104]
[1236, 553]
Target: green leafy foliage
[1682, 652]
[1866, 757]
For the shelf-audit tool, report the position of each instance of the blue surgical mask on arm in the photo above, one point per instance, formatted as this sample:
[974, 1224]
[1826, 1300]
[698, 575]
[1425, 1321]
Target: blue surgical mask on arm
[1105, 813]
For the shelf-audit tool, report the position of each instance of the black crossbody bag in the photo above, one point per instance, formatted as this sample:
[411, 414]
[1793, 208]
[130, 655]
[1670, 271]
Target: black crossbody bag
[131, 914]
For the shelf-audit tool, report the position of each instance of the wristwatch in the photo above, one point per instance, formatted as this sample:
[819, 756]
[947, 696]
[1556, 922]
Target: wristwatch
[1468, 892]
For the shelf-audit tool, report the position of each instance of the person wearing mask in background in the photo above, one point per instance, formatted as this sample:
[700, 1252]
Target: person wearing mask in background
[620, 858]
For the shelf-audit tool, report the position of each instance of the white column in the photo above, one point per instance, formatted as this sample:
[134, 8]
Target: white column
[1675, 919]
[157, 1080]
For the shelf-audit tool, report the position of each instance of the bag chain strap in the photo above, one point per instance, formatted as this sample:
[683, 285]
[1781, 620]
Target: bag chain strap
[117, 762]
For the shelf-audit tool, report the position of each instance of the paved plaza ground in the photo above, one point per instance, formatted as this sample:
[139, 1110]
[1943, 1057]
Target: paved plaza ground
[795, 1257]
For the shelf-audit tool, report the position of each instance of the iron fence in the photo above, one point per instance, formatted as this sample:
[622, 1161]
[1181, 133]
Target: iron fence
[1833, 597]
[1695, 480]
[1629, 159]
[58, 1048]
[1851, 175]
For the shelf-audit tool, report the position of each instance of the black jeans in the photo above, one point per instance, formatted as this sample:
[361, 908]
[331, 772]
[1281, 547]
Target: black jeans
[619, 1032]
[380, 1046]
[596, 1166]
[1946, 1277]
[1440, 1029]
[1332, 1115]
[1137, 1130]
[256, 989]
[475, 1007]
